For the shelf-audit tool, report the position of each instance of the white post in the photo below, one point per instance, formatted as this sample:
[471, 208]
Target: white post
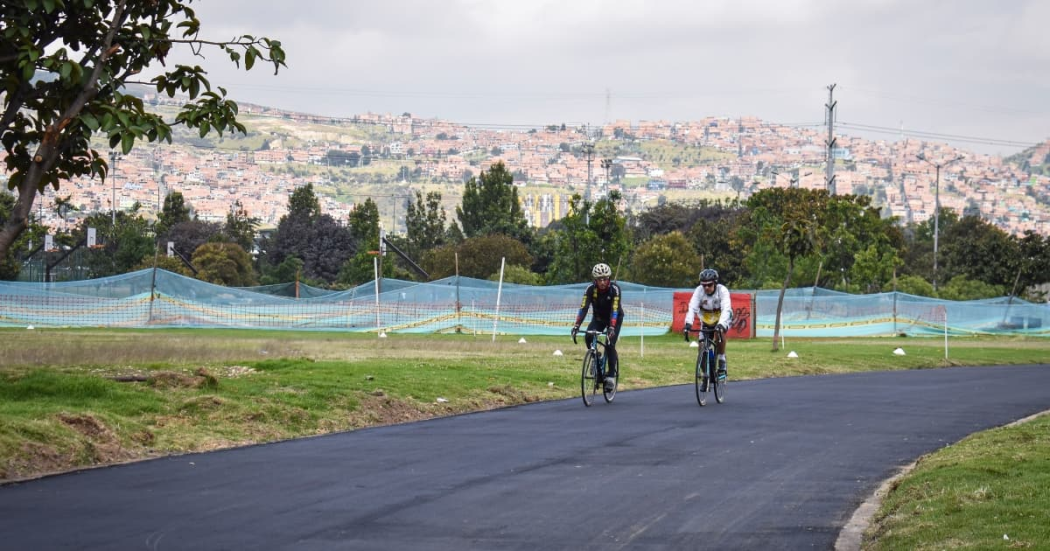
[643, 326]
[499, 294]
[945, 332]
[375, 263]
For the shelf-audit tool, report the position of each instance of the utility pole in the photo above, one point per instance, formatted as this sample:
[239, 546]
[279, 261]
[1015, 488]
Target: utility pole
[588, 152]
[113, 157]
[829, 178]
[937, 207]
[607, 165]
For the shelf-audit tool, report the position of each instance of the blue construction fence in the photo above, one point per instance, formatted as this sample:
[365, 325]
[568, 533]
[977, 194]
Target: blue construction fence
[162, 299]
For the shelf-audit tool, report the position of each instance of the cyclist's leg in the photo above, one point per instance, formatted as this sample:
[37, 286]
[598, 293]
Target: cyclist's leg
[720, 349]
[614, 357]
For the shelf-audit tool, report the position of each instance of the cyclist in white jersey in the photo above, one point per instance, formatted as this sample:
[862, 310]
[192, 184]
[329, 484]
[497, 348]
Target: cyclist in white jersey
[710, 303]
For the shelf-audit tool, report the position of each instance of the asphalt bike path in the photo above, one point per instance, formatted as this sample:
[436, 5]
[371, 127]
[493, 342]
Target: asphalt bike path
[781, 465]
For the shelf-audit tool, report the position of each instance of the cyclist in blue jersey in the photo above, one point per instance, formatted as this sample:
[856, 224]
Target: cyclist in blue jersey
[604, 296]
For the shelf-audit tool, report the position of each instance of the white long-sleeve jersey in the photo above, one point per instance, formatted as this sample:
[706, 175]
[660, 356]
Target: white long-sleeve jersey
[712, 309]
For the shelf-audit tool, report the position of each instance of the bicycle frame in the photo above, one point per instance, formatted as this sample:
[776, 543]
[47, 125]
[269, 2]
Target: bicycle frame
[706, 356]
[601, 338]
[595, 364]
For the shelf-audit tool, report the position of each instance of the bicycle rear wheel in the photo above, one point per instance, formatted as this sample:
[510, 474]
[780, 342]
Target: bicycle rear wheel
[589, 379]
[701, 376]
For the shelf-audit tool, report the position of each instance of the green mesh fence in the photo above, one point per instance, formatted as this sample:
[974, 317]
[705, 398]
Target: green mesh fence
[164, 299]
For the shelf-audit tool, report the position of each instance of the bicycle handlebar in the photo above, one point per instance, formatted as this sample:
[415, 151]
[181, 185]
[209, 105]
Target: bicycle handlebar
[591, 332]
[709, 331]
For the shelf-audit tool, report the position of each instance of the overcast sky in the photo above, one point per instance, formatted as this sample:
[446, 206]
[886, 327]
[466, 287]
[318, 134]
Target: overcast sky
[973, 68]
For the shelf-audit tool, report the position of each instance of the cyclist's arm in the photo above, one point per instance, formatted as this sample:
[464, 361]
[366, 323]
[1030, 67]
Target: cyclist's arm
[584, 306]
[694, 305]
[614, 315]
[726, 315]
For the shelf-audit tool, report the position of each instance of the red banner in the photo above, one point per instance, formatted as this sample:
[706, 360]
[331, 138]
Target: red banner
[741, 326]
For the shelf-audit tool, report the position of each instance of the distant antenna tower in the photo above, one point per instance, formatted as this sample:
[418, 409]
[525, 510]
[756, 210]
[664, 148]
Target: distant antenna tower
[608, 104]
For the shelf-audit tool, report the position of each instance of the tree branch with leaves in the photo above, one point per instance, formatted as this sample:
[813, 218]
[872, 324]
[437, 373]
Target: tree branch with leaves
[64, 66]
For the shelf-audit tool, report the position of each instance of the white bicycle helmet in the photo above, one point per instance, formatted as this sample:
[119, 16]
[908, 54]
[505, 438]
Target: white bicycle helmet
[601, 270]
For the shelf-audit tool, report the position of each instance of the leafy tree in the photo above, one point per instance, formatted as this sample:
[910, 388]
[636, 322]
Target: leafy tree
[490, 205]
[287, 271]
[980, 251]
[188, 235]
[175, 211]
[918, 241]
[66, 66]
[797, 232]
[164, 262]
[591, 233]
[1034, 262]
[440, 262]
[479, 257]
[915, 285]
[962, 288]
[322, 244]
[666, 261]
[122, 247]
[303, 203]
[874, 267]
[225, 264]
[240, 228]
[518, 274]
[364, 229]
[424, 224]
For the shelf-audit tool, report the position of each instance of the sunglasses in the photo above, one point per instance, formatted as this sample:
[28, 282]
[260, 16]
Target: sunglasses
[711, 284]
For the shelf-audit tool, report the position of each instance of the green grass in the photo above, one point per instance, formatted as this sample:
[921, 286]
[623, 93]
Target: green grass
[77, 398]
[972, 494]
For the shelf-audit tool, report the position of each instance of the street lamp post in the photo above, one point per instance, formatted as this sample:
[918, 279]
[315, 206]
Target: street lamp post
[937, 207]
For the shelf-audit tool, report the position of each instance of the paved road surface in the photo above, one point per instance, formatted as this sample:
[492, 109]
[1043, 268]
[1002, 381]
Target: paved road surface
[781, 465]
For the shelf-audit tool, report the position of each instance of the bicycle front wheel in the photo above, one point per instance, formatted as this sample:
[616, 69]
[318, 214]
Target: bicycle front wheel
[589, 378]
[720, 388]
[701, 376]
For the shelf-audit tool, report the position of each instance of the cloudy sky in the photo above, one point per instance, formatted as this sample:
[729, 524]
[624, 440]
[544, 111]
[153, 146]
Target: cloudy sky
[973, 69]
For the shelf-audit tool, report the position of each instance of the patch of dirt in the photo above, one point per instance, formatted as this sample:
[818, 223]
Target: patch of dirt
[200, 378]
[99, 444]
[86, 425]
[512, 395]
[95, 445]
[34, 458]
[375, 410]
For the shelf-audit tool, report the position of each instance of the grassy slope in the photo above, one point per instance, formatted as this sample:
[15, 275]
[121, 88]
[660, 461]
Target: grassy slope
[62, 407]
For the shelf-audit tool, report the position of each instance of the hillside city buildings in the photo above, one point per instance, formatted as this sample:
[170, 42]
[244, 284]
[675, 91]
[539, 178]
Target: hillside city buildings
[550, 164]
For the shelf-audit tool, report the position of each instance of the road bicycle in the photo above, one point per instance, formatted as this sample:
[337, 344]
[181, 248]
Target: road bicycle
[706, 365]
[595, 362]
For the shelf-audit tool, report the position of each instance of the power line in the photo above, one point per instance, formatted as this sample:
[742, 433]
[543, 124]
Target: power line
[935, 135]
[942, 102]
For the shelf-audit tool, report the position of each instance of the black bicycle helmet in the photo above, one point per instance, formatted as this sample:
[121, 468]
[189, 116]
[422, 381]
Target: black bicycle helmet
[708, 275]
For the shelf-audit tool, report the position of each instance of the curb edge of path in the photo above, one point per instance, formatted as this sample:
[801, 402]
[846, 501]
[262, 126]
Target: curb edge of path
[852, 534]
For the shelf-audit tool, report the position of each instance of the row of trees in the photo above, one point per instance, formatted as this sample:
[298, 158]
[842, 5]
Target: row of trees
[776, 239]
